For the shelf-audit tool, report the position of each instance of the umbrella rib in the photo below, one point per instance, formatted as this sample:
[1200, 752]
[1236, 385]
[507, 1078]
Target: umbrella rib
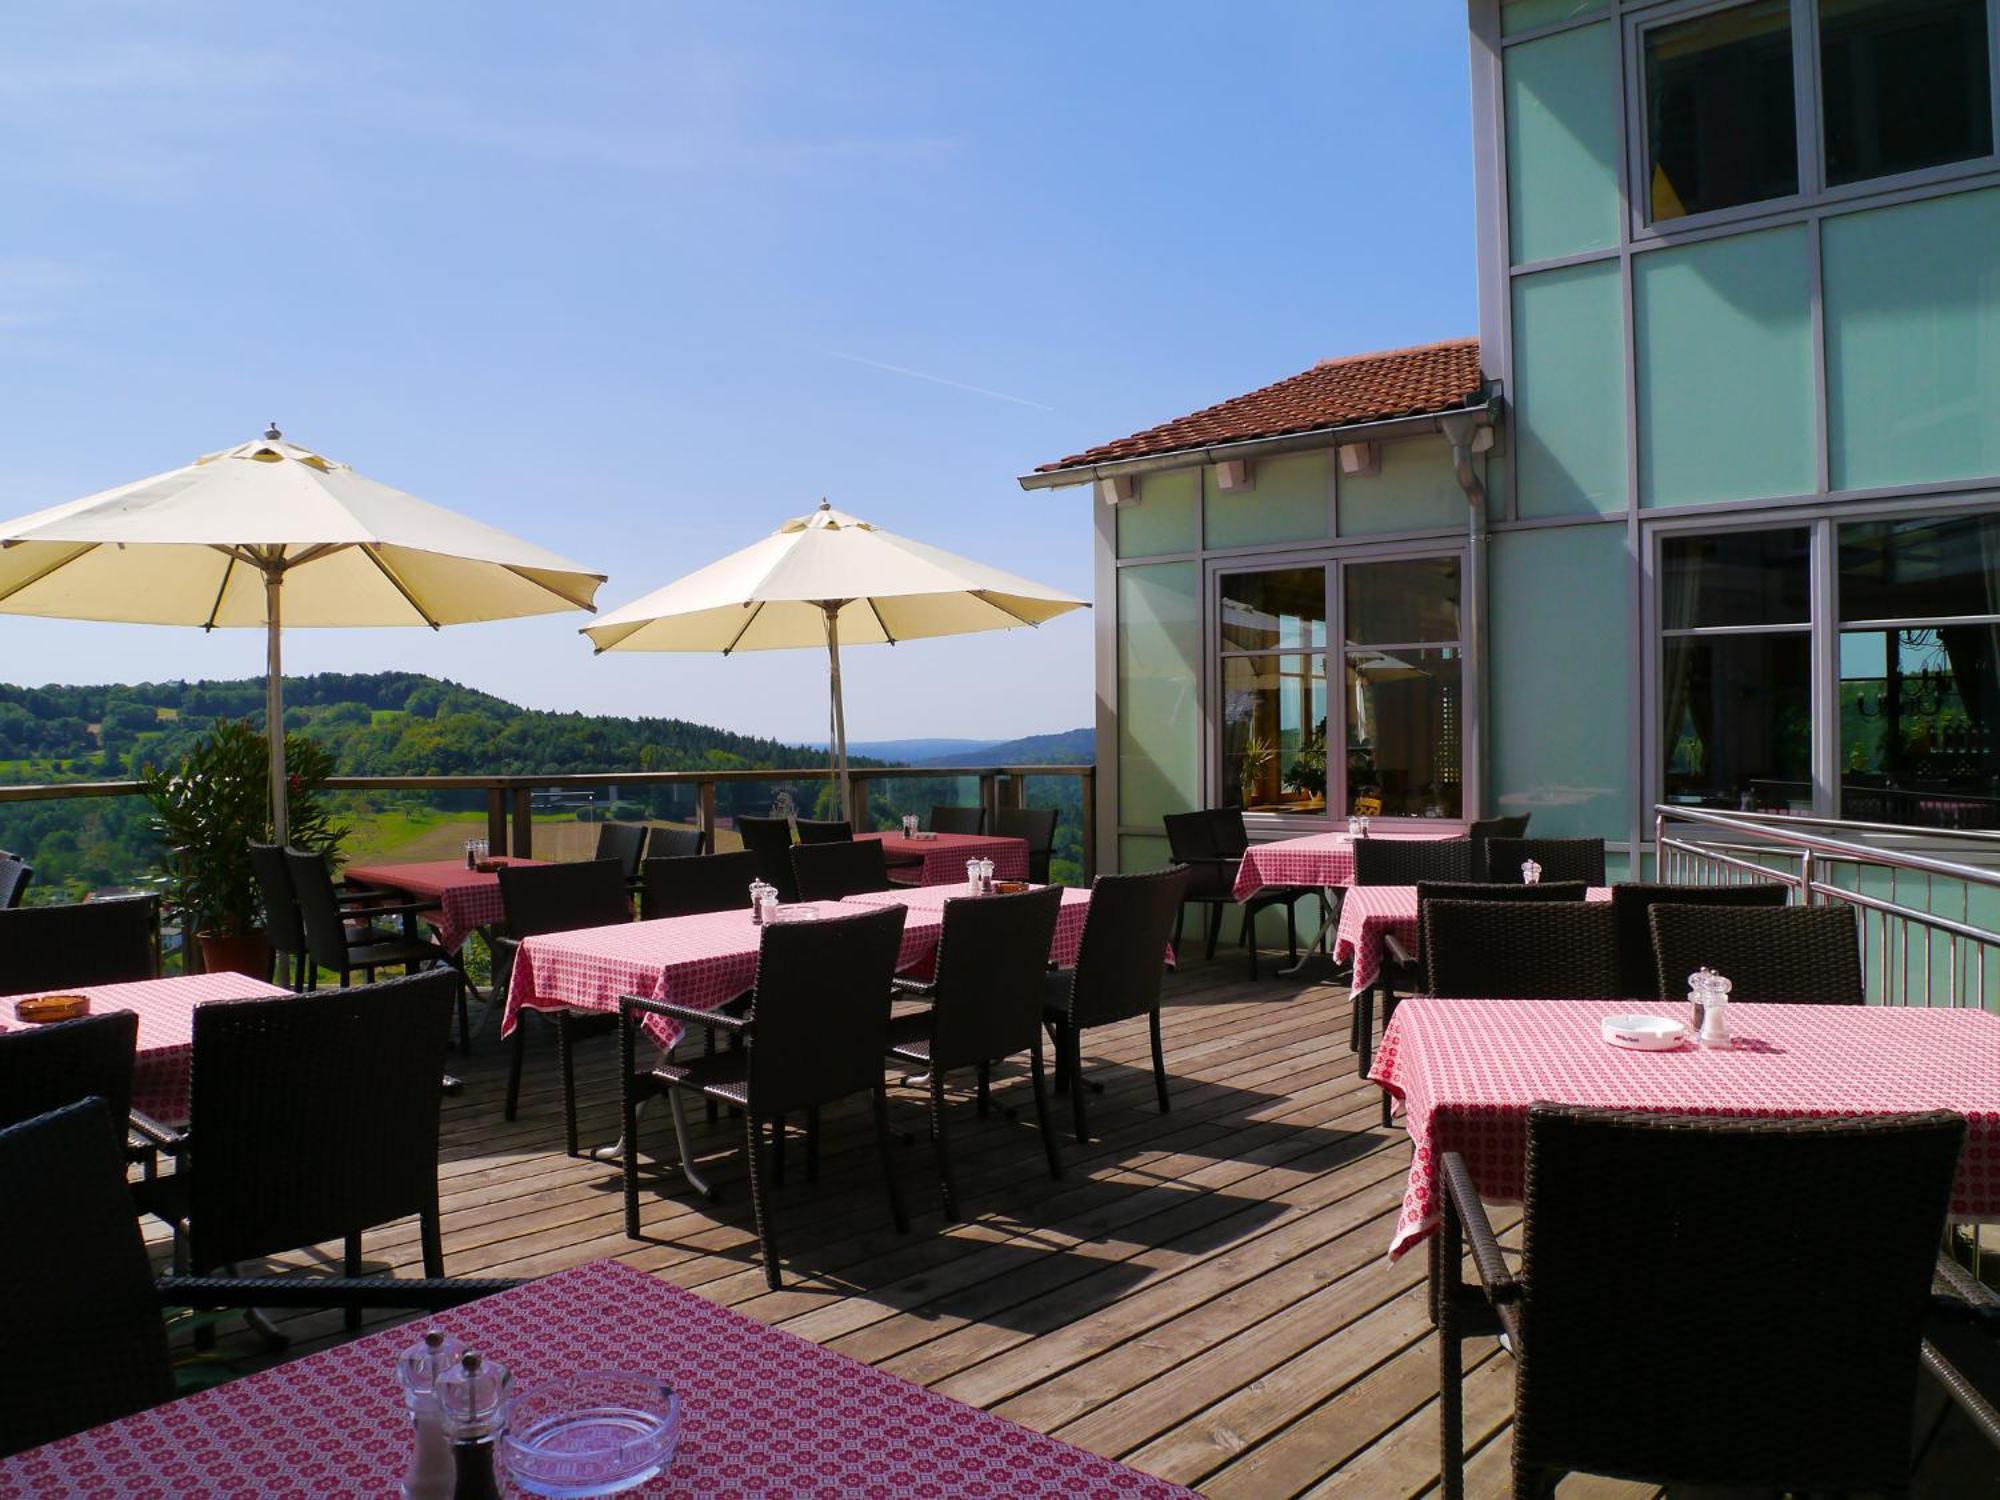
[876, 610]
[746, 628]
[228, 567]
[34, 578]
[390, 574]
[523, 575]
[985, 598]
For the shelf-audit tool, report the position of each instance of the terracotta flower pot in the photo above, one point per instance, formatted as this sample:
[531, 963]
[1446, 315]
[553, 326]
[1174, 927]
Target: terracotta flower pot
[249, 954]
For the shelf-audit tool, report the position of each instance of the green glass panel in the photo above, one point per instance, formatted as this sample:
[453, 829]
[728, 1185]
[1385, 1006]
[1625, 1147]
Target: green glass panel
[1724, 333]
[1164, 518]
[1139, 852]
[1569, 392]
[1287, 502]
[1416, 489]
[1526, 15]
[1562, 143]
[1913, 341]
[1159, 711]
[1562, 680]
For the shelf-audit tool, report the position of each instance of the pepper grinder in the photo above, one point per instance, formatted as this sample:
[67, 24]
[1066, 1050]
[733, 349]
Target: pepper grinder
[473, 1398]
[417, 1370]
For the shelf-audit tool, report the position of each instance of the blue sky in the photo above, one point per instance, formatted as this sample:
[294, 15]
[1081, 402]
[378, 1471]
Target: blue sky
[639, 281]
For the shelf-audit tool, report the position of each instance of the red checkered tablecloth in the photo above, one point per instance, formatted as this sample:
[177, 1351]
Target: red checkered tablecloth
[930, 900]
[467, 900]
[1370, 913]
[1466, 1072]
[940, 859]
[1317, 859]
[764, 1413]
[166, 1029]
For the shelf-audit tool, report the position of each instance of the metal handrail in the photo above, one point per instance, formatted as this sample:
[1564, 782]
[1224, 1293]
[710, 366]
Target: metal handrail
[1775, 832]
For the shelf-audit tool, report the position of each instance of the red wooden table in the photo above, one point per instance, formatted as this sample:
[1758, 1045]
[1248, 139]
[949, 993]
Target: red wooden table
[467, 900]
[939, 858]
[765, 1413]
[1466, 1072]
[166, 1029]
[1370, 913]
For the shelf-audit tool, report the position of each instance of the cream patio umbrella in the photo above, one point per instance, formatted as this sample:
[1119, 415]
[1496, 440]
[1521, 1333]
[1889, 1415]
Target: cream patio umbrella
[827, 579]
[268, 534]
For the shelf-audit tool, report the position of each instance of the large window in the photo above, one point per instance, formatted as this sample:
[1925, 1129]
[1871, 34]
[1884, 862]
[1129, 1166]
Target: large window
[1720, 125]
[1404, 689]
[1272, 628]
[1904, 85]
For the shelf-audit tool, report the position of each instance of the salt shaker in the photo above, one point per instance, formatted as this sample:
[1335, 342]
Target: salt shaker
[1531, 872]
[1710, 993]
[909, 825]
[1354, 828]
[473, 1398]
[430, 1475]
[972, 874]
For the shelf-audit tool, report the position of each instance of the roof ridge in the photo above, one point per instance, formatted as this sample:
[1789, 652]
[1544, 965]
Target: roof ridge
[1433, 347]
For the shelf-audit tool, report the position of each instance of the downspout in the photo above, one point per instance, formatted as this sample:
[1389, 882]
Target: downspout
[1462, 430]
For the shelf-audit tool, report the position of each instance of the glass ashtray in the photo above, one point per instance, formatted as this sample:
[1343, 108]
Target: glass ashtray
[599, 1433]
[801, 911]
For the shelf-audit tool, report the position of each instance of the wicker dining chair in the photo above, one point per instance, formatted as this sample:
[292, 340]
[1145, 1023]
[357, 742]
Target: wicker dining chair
[827, 872]
[953, 819]
[1640, 1355]
[1379, 861]
[46, 1067]
[771, 840]
[1794, 955]
[78, 944]
[817, 1032]
[985, 1004]
[675, 843]
[283, 925]
[1482, 830]
[825, 831]
[1560, 859]
[624, 843]
[16, 875]
[1493, 950]
[1119, 973]
[1206, 844]
[1639, 972]
[1037, 827]
[310, 1118]
[689, 885]
[83, 1339]
[555, 898]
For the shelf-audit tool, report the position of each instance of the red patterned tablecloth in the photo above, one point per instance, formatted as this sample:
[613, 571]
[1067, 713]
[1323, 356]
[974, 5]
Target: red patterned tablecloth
[1370, 913]
[166, 1029]
[940, 859]
[929, 901]
[1467, 1071]
[1316, 859]
[765, 1413]
[467, 899]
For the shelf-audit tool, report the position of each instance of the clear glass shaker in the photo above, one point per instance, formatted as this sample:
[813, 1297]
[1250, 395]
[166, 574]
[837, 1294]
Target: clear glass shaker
[1531, 872]
[430, 1474]
[1354, 827]
[473, 1397]
[1708, 1000]
[909, 825]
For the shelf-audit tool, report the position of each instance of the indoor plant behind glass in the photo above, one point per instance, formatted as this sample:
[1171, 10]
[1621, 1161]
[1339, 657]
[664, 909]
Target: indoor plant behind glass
[207, 811]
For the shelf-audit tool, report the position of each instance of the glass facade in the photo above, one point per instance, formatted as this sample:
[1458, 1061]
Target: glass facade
[1562, 135]
[1903, 85]
[1405, 697]
[1290, 500]
[1414, 488]
[1166, 516]
[1569, 391]
[1721, 129]
[1159, 708]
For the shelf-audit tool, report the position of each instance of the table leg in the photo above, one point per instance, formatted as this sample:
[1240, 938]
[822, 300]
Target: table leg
[1322, 943]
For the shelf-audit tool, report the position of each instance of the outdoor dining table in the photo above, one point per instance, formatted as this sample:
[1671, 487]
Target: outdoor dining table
[763, 1412]
[468, 901]
[939, 858]
[1325, 860]
[165, 1008]
[1466, 1072]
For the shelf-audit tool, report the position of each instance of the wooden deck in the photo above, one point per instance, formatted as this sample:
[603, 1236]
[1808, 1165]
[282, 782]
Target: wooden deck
[1204, 1295]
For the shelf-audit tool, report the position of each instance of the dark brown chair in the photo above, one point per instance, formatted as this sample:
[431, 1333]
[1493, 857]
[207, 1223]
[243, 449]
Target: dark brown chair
[771, 840]
[311, 1118]
[16, 875]
[555, 898]
[283, 925]
[1120, 966]
[1639, 974]
[1036, 825]
[1759, 1384]
[1494, 950]
[827, 872]
[817, 1032]
[1380, 861]
[825, 831]
[624, 844]
[689, 885]
[82, 1336]
[676, 843]
[78, 944]
[46, 1067]
[1205, 844]
[1793, 955]
[985, 1004]
[1560, 859]
[953, 819]
[1481, 830]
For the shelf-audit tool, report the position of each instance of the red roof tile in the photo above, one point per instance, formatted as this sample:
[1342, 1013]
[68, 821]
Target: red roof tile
[1333, 393]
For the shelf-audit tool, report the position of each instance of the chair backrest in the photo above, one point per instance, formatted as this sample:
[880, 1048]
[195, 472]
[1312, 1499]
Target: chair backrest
[319, 907]
[1521, 950]
[1228, 832]
[15, 877]
[1380, 861]
[826, 872]
[1795, 955]
[1482, 829]
[79, 943]
[1121, 959]
[1191, 844]
[81, 1336]
[676, 843]
[46, 1067]
[1484, 890]
[624, 843]
[1038, 826]
[771, 839]
[990, 961]
[281, 908]
[1560, 859]
[946, 819]
[822, 1008]
[689, 884]
[562, 898]
[313, 1116]
[825, 831]
[1727, 1384]
[1634, 902]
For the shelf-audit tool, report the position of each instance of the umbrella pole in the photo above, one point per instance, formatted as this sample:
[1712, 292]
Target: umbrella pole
[274, 698]
[839, 748]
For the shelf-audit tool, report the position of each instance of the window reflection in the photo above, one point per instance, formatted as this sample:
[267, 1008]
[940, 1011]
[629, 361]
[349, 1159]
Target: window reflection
[1405, 733]
[1720, 129]
[1904, 85]
[1274, 733]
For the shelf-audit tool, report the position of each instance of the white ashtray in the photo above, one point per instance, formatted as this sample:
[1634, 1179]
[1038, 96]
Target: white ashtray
[1644, 1033]
[803, 911]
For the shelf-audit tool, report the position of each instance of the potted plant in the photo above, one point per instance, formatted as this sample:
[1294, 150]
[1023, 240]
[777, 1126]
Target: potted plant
[1307, 774]
[207, 811]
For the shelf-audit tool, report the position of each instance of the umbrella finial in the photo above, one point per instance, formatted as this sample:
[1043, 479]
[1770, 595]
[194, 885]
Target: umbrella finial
[271, 433]
[824, 503]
